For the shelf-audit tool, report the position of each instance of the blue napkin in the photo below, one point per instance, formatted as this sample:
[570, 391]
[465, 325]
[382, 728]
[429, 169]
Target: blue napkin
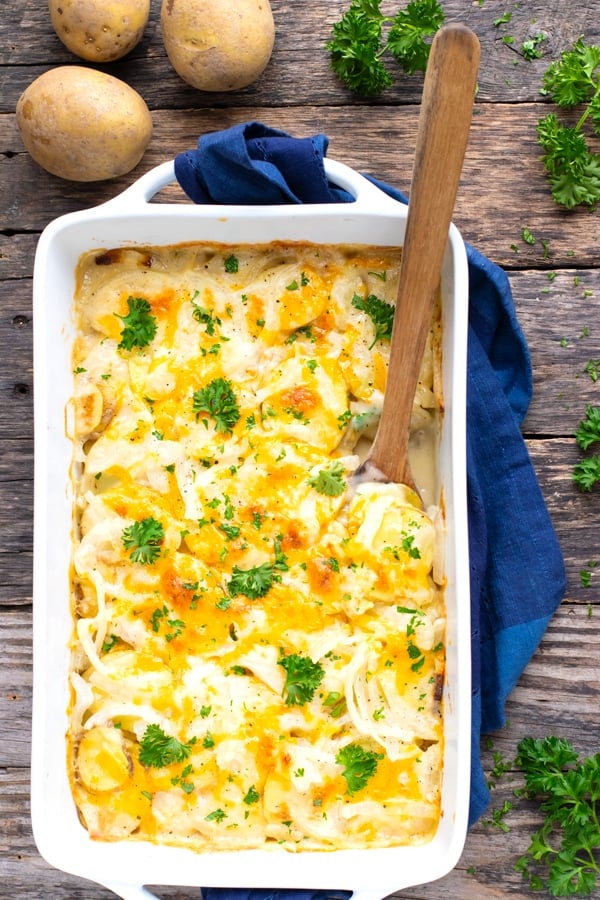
[517, 570]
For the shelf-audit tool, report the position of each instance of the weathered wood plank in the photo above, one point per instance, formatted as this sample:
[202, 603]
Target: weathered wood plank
[299, 71]
[489, 208]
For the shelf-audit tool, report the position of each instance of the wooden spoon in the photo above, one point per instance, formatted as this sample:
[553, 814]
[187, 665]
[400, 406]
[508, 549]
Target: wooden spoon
[442, 133]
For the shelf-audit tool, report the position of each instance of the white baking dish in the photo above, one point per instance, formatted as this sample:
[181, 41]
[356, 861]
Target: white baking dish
[125, 867]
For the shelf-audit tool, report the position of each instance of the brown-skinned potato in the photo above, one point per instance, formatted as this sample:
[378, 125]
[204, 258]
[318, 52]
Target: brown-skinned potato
[83, 125]
[218, 45]
[99, 30]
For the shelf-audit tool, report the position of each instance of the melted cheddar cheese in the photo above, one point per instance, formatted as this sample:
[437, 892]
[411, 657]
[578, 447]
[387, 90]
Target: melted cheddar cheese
[258, 643]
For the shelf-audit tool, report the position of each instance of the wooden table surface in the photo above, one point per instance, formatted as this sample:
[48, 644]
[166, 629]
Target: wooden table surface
[556, 284]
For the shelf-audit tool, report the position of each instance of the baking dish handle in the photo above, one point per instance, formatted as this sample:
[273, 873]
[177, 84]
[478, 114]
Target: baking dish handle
[364, 192]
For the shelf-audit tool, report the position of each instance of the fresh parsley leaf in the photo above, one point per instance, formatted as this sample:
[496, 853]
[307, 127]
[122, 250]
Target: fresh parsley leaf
[143, 539]
[356, 48]
[563, 853]
[380, 312]
[358, 42]
[504, 19]
[252, 583]
[158, 749]
[588, 430]
[406, 39]
[218, 400]
[231, 264]
[527, 237]
[329, 481]
[140, 325]
[359, 766]
[570, 79]
[530, 49]
[303, 677]
[587, 472]
[573, 170]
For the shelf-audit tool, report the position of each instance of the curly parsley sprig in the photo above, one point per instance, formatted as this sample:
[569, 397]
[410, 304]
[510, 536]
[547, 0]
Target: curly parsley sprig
[358, 42]
[158, 749]
[359, 766]
[218, 400]
[564, 854]
[572, 167]
[143, 539]
[303, 677]
[586, 473]
[139, 325]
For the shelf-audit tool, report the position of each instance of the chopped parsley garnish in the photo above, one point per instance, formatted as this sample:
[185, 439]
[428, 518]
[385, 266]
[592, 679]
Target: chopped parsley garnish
[408, 545]
[186, 786]
[218, 400]
[380, 312]
[231, 532]
[158, 749]
[303, 677]
[330, 481]
[205, 317]
[217, 815]
[140, 325]
[335, 704]
[231, 264]
[109, 643]
[252, 796]
[359, 765]
[416, 654]
[143, 539]
[174, 627]
[252, 583]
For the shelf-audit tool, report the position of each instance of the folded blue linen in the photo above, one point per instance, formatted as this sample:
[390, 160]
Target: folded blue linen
[517, 570]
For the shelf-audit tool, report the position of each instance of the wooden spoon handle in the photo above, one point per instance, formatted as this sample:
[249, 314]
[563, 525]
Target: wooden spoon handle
[442, 134]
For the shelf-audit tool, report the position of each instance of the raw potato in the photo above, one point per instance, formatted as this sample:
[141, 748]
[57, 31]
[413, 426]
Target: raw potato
[83, 125]
[99, 30]
[218, 45]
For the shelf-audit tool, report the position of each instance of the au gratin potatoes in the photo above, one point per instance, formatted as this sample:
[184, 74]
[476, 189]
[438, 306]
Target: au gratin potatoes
[258, 643]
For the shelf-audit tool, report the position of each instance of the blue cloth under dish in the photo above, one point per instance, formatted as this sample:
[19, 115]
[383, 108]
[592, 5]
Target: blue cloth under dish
[517, 569]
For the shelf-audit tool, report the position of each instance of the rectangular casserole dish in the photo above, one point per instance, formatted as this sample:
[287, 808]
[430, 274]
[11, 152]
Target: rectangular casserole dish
[130, 220]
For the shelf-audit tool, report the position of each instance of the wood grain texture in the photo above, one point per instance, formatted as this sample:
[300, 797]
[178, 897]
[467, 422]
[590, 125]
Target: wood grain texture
[489, 211]
[556, 288]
